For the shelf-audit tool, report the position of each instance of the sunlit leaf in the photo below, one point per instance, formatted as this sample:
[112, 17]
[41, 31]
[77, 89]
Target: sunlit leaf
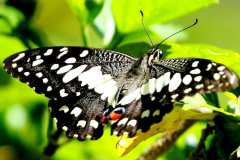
[128, 19]
[86, 10]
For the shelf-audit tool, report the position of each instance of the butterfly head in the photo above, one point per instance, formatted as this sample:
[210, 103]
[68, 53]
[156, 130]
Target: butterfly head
[154, 55]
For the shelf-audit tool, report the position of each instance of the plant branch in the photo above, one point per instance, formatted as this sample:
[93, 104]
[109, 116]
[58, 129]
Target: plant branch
[200, 150]
[164, 143]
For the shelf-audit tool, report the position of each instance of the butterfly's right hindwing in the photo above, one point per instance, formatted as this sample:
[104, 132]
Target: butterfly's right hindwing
[169, 81]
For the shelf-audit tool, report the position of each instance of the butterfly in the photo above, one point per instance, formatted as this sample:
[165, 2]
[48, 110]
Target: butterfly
[89, 87]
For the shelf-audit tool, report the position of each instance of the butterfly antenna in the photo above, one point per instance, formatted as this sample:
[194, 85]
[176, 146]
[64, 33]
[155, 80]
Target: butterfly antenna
[190, 26]
[145, 29]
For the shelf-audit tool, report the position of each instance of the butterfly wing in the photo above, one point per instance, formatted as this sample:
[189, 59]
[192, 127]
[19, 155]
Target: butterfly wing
[169, 81]
[80, 83]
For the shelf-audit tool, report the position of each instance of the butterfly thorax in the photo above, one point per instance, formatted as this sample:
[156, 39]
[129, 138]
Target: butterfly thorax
[139, 73]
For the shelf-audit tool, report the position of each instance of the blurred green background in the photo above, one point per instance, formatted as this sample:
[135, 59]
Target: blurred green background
[112, 24]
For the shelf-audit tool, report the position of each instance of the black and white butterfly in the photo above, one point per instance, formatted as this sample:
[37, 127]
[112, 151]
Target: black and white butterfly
[88, 87]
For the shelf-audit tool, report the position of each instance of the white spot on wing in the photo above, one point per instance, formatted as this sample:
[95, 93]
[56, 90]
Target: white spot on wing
[64, 69]
[94, 124]
[195, 71]
[37, 62]
[76, 111]
[199, 86]
[54, 66]
[198, 78]
[110, 91]
[221, 68]
[151, 84]
[63, 52]
[65, 128]
[146, 113]
[75, 135]
[187, 79]
[135, 95]
[122, 121]
[78, 93]
[132, 122]
[73, 73]
[14, 65]
[103, 84]
[174, 96]
[39, 74]
[49, 88]
[91, 76]
[45, 80]
[26, 73]
[209, 66]
[70, 60]
[38, 57]
[210, 86]
[188, 90]
[216, 76]
[81, 123]
[89, 136]
[20, 56]
[63, 49]
[48, 52]
[195, 63]
[145, 89]
[159, 84]
[175, 82]
[63, 93]
[64, 108]
[20, 69]
[166, 78]
[84, 53]
[156, 113]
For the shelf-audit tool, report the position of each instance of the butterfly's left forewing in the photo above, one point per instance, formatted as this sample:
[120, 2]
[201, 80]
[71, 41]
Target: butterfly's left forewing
[80, 83]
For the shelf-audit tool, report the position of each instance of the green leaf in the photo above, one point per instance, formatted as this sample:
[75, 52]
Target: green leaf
[10, 18]
[86, 10]
[10, 45]
[224, 56]
[127, 16]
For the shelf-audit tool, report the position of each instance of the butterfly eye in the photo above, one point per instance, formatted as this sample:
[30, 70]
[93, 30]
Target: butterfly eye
[156, 55]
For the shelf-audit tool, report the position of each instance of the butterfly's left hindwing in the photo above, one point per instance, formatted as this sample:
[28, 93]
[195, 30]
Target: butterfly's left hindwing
[80, 83]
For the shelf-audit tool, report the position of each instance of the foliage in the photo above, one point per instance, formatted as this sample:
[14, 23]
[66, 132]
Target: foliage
[114, 25]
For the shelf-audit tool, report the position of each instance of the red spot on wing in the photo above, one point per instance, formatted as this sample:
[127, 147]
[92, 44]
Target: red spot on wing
[115, 116]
